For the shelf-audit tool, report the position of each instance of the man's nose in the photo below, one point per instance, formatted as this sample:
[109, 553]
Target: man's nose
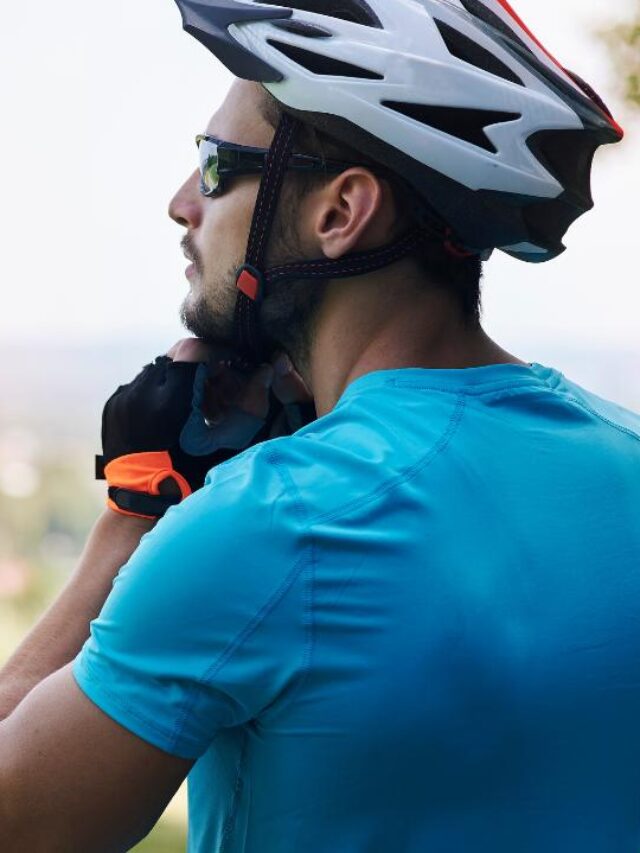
[185, 207]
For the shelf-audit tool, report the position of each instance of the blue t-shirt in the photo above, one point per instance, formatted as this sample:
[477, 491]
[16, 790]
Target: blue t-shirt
[412, 626]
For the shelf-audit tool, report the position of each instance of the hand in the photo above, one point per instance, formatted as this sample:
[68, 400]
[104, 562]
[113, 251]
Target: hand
[226, 387]
[184, 414]
[288, 386]
[291, 390]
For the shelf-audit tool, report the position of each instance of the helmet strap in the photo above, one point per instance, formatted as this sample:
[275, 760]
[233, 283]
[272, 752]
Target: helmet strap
[253, 281]
[250, 280]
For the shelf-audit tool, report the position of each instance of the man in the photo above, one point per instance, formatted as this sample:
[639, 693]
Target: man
[412, 624]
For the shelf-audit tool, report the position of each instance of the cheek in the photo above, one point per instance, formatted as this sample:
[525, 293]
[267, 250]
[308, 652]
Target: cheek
[226, 225]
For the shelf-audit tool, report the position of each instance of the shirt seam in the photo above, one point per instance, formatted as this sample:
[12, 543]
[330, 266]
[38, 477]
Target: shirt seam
[476, 389]
[309, 575]
[166, 733]
[245, 454]
[303, 565]
[587, 408]
[239, 639]
[435, 450]
[469, 390]
[230, 821]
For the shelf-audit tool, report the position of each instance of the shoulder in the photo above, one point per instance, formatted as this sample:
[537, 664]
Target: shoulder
[238, 541]
[246, 524]
[623, 419]
[206, 623]
[280, 488]
[361, 448]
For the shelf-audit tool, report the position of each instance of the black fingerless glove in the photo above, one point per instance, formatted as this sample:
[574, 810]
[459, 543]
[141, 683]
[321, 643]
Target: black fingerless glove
[142, 425]
[157, 446]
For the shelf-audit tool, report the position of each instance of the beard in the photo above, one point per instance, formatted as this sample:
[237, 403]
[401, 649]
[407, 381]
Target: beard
[208, 310]
[287, 315]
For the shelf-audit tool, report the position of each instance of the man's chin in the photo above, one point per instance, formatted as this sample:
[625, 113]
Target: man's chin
[200, 323]
[198, 319]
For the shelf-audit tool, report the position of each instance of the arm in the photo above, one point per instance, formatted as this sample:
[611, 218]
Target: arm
[197, 635]
[76, 777]
[63, 629]
[73, 779]
[59, 635]
[57, 733]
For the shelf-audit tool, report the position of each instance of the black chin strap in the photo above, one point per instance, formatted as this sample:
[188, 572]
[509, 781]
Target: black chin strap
[250, 279]
[252, 282]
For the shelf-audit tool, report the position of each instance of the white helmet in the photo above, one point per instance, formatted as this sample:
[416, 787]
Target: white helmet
[456, 96]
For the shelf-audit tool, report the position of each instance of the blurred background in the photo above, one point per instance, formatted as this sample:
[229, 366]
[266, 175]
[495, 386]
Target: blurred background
[100, 107]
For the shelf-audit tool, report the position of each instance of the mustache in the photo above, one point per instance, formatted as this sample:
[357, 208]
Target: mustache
[190, 250]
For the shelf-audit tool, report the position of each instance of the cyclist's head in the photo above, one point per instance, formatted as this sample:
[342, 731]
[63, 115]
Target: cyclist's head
[308, 223]
[487, 140]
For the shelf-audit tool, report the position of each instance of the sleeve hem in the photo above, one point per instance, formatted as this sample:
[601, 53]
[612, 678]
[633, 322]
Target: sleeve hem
[133, 721]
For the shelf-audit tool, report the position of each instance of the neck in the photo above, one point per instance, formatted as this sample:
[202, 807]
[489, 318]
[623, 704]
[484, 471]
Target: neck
[383, 322]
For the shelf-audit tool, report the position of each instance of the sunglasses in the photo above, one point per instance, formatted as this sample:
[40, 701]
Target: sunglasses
[220, 160]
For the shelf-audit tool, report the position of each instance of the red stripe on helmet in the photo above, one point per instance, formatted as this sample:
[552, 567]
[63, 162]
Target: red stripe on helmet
[508, 9]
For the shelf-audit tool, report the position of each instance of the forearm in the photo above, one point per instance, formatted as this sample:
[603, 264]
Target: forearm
[62, 630]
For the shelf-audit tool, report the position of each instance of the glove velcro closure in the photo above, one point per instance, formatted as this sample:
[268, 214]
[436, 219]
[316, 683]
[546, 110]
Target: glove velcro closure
[138, 476]
[138, 504]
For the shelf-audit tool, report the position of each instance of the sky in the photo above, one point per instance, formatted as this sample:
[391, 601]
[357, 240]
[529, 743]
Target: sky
[100, 106]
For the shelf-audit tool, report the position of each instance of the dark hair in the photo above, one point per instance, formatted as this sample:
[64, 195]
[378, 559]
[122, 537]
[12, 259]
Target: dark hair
[460, 276]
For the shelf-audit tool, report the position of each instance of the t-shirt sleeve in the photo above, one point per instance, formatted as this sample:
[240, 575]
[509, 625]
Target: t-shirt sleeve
[205, 624]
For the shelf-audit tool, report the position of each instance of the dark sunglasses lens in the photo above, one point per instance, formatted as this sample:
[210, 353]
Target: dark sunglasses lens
[208, 166]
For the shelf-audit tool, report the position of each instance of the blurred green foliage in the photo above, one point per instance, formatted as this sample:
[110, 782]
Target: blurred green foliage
[623, 39]
[43, 528]
[166, 837]
[42, 533]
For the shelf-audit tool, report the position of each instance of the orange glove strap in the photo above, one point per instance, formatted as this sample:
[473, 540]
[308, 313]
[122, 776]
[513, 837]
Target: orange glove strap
[143, 472]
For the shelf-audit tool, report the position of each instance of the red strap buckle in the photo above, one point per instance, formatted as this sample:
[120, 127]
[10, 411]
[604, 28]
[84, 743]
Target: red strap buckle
[250, 281]
[454, 248]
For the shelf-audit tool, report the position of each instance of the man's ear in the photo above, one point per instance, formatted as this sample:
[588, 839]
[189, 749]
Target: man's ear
[355, 213]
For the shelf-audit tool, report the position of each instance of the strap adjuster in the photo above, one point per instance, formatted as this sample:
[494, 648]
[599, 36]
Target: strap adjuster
[250, 281]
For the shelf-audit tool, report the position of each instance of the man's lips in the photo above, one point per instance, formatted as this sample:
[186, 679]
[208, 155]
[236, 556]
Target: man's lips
[193, 267]
[189, 252]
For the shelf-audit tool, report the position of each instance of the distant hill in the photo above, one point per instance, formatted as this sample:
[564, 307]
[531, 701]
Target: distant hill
[60, 390]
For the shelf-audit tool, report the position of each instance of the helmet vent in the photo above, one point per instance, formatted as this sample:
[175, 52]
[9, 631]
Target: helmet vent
[355, 11]
[568, 155]
[467, 50]
[466, 124]
[323, 65]
[589, 92]
[299, 28]
[475, 7]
